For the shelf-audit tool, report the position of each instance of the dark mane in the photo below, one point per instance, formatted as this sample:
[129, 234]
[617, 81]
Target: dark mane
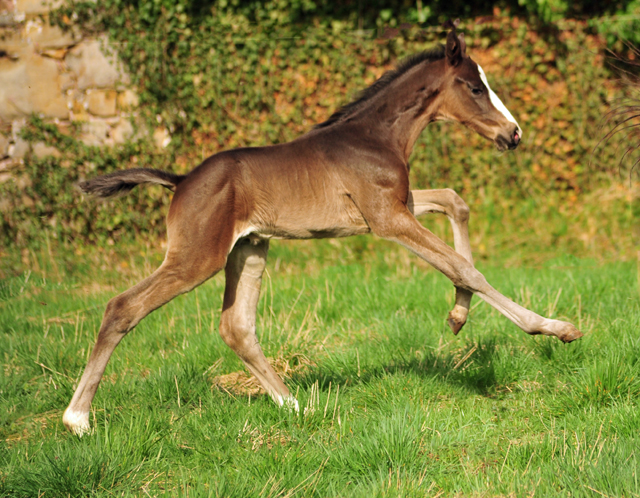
[434, 54]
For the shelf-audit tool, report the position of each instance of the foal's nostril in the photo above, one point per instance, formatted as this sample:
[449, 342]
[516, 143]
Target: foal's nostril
[516, 137]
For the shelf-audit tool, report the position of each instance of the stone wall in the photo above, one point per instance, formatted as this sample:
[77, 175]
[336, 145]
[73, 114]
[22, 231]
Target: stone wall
[61, 76]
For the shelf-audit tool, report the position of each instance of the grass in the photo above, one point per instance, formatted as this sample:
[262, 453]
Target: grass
[393, 403]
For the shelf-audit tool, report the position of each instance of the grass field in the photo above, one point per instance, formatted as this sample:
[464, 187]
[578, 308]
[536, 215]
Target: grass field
[392, 403]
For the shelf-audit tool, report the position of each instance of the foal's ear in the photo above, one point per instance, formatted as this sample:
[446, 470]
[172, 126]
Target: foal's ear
[456, 48]
[463, 45]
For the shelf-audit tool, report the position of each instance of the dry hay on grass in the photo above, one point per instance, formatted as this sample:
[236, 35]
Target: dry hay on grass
[257, 438]
[243, 384]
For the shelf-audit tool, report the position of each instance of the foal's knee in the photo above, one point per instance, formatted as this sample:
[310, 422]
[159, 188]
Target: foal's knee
[459, 209]
[472, 280]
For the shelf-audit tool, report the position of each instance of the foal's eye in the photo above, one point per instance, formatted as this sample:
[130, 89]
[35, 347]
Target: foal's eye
[476, 91]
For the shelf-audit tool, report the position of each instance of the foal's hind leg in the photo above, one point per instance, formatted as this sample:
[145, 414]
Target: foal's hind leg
[179, 273]
[447, 202]
[243, 272]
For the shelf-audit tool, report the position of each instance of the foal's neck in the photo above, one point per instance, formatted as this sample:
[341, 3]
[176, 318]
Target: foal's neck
[401, 111]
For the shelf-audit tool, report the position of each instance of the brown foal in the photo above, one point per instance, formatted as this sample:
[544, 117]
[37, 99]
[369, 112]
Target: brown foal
[347, 176]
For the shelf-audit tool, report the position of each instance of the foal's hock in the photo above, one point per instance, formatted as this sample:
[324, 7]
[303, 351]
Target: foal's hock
[347, 176]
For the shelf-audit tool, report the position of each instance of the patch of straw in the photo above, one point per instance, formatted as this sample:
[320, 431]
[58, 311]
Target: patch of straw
[244, 384]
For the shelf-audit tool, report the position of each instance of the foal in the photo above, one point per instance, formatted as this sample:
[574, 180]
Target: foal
[347, 176]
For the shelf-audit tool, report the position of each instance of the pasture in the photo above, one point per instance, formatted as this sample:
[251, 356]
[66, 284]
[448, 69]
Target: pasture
[392, 403]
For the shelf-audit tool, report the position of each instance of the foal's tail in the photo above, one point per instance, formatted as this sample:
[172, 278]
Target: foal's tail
[122, 182]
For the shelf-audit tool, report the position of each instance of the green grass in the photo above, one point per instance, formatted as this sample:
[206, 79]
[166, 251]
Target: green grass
[393, 403]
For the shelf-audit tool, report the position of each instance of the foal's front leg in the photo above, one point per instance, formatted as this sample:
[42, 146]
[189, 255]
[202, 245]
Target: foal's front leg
[447, 202]
[396, 222]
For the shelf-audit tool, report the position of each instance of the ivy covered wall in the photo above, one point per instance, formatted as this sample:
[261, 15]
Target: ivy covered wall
[212, 76]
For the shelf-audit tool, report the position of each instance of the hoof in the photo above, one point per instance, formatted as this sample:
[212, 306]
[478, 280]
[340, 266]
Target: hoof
[289, 403]
[564, 331]
[569, 333]
[457, 318]
[76, 422]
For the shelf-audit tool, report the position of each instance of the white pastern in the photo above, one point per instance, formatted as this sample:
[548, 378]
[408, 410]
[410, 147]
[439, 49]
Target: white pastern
[289, 402]
[76, 422]
[497, 103]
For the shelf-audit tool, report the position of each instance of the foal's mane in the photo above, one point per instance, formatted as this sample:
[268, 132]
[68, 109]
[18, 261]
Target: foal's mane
[434, 54]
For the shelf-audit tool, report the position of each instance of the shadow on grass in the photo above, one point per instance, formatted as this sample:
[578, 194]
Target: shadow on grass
[481, 368]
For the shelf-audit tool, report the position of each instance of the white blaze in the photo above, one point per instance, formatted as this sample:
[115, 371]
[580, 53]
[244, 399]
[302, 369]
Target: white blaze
[497, 103]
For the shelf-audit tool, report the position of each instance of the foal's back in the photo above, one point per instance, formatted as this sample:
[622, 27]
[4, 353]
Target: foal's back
[298, 190]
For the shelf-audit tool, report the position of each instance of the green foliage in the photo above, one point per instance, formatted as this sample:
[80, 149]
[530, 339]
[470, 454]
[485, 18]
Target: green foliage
[546, 10]
[225, 75]
[49, 206]
[620, 26]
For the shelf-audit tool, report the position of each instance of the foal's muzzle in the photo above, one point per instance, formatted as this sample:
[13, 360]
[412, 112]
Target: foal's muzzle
[510, 141]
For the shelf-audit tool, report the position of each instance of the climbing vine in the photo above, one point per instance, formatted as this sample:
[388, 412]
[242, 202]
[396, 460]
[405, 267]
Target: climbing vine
[236, 73]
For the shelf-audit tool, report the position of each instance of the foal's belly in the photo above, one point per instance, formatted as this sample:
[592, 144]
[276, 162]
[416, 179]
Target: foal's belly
[311, 233]
[337, 217]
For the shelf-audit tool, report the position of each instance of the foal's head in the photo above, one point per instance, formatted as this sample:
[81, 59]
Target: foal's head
[468, 99]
